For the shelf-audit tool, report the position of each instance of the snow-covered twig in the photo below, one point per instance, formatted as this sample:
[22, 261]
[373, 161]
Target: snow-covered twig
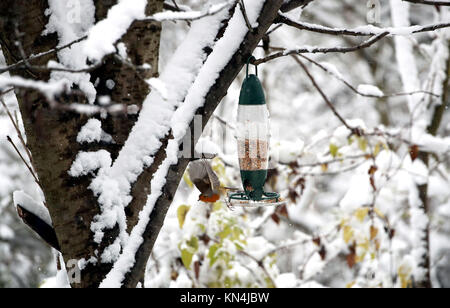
[289, 52]
[21, 63]
[51, 90]
[429, 2]
[368, 30]
[189, 15]
[354, 130]
[357, 90]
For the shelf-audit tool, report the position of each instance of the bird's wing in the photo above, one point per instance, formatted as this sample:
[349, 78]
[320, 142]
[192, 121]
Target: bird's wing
[214, 179]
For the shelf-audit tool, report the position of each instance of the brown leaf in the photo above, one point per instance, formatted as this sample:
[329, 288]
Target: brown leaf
[351, 258]
[373, 232]
[372, 170]
[317, 241]
[275, 218]
[293, 195]
[323, 253]
[283, 211]
[197, 269]
[414, 152]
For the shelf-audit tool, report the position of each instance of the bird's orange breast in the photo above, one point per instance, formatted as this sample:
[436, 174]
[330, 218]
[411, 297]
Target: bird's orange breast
[212, 199]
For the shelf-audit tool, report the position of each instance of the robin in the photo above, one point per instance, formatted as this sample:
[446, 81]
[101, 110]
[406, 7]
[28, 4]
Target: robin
[206, 181]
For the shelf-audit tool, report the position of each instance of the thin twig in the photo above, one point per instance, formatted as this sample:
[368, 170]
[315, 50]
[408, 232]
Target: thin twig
[21, 63]
[244, 13]
[324, 96]
[16, 127]
[24, 161]
[354, 89]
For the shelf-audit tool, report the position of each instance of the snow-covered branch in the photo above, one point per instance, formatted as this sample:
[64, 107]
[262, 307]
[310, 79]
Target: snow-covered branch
[368, 30]
[312, 49]
[190, 15]
[429, 2]
[210, 85]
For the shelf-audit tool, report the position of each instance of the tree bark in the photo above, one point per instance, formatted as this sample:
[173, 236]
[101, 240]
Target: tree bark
[51, 133]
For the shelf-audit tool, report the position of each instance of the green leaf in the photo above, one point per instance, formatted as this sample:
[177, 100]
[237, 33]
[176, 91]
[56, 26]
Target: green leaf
[212, 254]
[362, 144]
[228, 283]
[238, 247]
[202, 227]
[182, 211]
[193, 243]
[225, 233]
[334, 150]
[186, 257]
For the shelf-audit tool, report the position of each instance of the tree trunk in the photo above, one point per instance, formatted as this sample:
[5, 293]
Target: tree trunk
[51, 133]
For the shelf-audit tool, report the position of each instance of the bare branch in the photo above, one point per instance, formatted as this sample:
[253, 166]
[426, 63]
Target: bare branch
[244, 13]
[24, 161]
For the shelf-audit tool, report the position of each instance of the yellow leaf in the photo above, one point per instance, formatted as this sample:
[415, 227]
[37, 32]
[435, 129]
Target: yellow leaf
[334, 150]
[404, 273]
[362, 144]
[324, 167]
[379, 213]
[377, 149]
[350, 285]
[187, 179]
[362, 213]
[348, 234]
[181, 213]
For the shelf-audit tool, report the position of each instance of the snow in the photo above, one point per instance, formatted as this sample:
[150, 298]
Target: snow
[397, 30]
[113, 186]
[157, 85]
[218, 59]
[28, 203]
[207, 147]
[68, 23]
[332, 69]
[49, 89]
[108, 31]
[287, 280]
[404, 50]
[370, 90]
[110, 84]
[88, 162]
[190, 15]
[92, 132]
[286, 152]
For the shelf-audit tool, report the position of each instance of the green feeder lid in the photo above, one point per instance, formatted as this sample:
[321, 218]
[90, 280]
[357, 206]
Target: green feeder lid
[252, 92]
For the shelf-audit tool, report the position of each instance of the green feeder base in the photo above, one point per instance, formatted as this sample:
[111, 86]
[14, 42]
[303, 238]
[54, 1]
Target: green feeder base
[243, 200]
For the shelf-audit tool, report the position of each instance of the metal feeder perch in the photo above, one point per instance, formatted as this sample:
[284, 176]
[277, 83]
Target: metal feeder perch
[253, 135]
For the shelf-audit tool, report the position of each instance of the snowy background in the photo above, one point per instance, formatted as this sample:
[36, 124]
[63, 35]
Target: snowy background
[347, 224]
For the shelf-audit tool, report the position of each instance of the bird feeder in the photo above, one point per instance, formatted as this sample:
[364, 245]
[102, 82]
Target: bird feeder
[253, 137]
